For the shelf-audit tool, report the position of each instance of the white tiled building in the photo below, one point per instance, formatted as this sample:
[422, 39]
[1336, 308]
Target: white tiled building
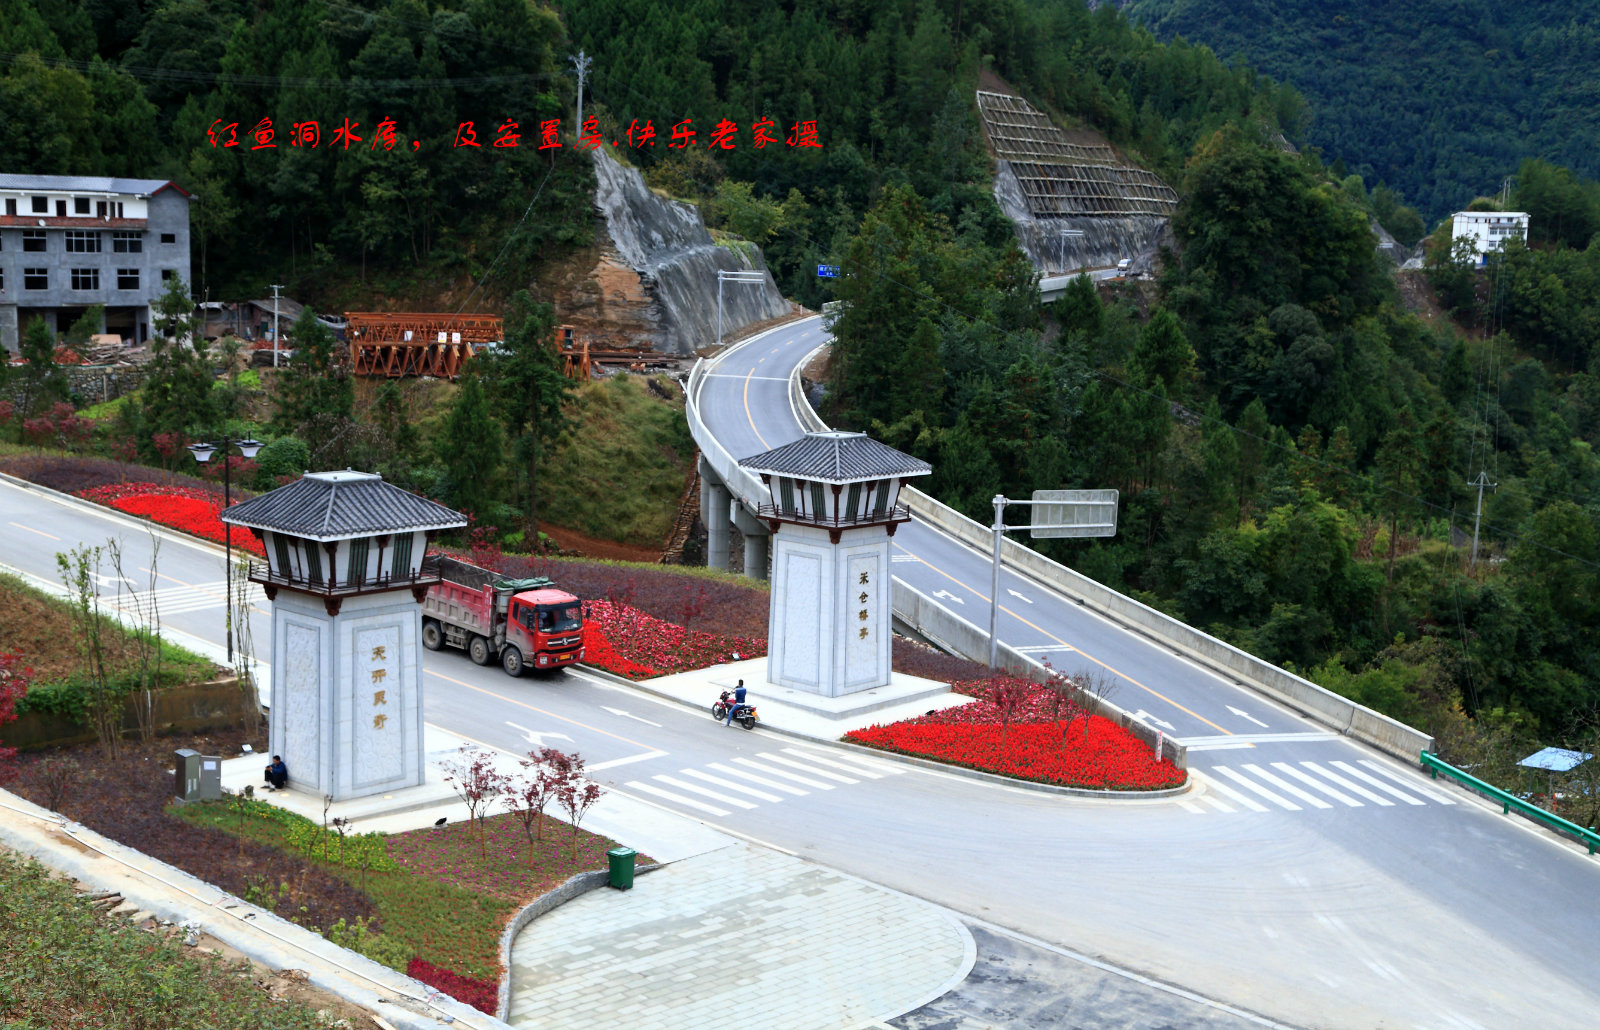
[1488, 230]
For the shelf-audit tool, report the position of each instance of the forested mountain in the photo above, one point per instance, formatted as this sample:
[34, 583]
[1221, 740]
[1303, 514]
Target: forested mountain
[1439, 99]
[1292, 444]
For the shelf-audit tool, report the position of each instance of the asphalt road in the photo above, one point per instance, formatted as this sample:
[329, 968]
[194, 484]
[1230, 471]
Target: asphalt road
[1384, 904]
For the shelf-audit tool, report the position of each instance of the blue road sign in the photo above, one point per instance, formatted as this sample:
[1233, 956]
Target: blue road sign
[828, 271]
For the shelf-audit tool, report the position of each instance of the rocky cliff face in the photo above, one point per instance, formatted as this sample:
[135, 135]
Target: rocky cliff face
[655, 284]
[1106, 239]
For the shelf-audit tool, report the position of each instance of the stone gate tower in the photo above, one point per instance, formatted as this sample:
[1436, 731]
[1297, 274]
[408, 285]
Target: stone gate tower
[346, 576]
[833, 495]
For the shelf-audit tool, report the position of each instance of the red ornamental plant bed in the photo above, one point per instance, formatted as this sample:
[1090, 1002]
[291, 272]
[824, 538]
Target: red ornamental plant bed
[621, 639]
[482, 995]
[1036, 743]
[185, 508]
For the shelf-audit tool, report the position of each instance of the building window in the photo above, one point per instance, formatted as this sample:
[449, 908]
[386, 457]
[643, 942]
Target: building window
[786, 495]
[80, 205]
[357, 569]
[124, 241]
[313, 562]
[35, 278]
[41, 205]
[127, 278]
[33, 240]
[169, 237]
[852, 502]
[880, 500]
[819, 502]
[11, 206]
[99, 209]
[400, 567]
[280, 546]
[86, 278]
[61, 209]
[167, 274]
[81, 241]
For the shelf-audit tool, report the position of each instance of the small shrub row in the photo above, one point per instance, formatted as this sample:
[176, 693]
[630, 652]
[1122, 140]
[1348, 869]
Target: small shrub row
[483, 995]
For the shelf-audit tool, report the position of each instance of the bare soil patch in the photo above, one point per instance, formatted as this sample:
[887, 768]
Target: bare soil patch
[579, 544]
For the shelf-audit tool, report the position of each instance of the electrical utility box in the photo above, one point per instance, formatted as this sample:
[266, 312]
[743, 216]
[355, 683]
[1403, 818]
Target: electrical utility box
[198, 777]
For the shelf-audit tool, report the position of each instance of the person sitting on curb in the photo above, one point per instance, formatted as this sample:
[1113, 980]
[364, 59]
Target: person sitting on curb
[738, 703]
[277, 774]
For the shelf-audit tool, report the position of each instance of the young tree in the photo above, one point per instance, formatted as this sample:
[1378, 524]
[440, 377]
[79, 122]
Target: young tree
[576, 794]
[41, 382]
[529, 391]
[476, 782]
[314, 384]
[177, 399]
[80, 573]
[533, 790]
[470, 449]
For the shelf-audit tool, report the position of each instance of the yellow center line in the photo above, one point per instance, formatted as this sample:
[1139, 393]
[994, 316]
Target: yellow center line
[41, 532]
[541, 711]
[747, 414]
[1070, 647]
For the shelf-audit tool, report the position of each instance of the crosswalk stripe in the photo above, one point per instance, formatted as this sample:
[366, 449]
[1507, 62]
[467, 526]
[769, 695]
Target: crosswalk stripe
[1426, 792]
[791, 763]
[673, 781]
[1218, 803]
[1250, 784]
[1402, 795]
[1317, 784]
[1223, 788]
[1354, 788]
[1192, 807]
[730, 771]
[729, 785]
[668, 795]
[1282, 784]
[835, 763]
[770, 771]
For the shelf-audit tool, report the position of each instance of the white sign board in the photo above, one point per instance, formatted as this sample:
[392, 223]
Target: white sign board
[1074, 513]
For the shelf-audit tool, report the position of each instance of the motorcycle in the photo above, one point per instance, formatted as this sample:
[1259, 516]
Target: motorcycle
[746, 715]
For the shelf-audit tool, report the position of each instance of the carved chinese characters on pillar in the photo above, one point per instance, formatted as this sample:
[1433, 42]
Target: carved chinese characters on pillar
[861, 646]
[379, 723]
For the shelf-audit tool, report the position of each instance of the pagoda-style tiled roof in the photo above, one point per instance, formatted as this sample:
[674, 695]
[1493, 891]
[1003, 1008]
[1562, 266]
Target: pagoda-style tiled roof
[340, 505]
[837, 457]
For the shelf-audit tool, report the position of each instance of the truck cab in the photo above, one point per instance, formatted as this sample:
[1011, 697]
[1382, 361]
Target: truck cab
[546, 627]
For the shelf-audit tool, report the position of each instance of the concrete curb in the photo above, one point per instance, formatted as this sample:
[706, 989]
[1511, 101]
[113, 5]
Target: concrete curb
[921, 763]
[575, 887]
[179, 897]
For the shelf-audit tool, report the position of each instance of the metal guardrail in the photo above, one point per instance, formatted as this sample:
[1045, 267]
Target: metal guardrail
[744, 484]
[1435, 766]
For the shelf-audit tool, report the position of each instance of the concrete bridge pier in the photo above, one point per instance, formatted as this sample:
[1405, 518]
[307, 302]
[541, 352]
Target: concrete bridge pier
[714, 501]
[757, 537]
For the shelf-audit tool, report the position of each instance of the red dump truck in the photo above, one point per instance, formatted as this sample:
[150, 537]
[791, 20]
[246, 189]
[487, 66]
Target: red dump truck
[521, 623]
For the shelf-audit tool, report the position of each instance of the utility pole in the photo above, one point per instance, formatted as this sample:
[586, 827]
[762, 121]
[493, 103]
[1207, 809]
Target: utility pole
[1481, 482]
[581, 63]
[275, 289]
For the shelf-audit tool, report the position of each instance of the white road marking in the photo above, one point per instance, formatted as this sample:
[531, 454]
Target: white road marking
[649, 788]
[1191, 806]
[770, 771]
[613, 763]
[1426, 792]
[730, 785]
[1246, 715]
[1217, 803]
[718, 796]
[1249, 784]
[1223, 788]
[730, 771]
[1354, 788]
[1317, 784]
[834, 763]
[1402, 795]
[791, 763]
[1282, 784]
[635, 718]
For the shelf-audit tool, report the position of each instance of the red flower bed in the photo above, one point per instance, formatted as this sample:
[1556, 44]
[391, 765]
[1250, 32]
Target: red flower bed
[483, 995]
[621, 639]
[1020, 729]
[185, 508]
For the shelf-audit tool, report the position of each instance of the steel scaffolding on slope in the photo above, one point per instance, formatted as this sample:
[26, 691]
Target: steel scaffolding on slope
[398, 344]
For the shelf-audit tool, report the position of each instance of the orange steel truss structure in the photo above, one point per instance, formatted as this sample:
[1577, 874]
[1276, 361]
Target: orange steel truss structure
[397, 344]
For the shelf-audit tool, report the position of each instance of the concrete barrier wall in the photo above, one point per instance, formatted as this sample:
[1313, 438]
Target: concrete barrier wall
[192, 708]
[1324, 706]
[743, 484]
[950, 631]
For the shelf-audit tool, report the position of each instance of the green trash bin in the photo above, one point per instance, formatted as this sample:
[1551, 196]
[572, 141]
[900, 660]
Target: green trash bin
[622, 867]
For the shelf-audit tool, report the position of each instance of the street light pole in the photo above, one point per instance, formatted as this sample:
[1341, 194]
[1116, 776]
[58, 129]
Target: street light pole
[275, 289]
[752, 277]
[202, 453]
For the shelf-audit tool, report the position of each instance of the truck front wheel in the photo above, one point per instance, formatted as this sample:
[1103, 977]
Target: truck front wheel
[432, 635]
[511, 661]
[478, 651]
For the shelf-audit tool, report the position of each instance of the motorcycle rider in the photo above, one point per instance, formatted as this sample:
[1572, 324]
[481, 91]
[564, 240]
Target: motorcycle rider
[738, 703]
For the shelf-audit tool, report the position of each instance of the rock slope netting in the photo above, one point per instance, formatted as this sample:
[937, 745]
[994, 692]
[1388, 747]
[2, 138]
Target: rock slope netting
[1046, 184]
[660, 270]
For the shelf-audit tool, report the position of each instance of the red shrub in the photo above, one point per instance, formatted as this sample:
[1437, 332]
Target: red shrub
[483, 995]
[639, 646]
